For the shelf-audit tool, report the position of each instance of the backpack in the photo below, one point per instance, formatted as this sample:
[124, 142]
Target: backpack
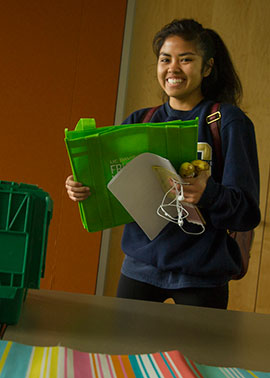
[244, 239]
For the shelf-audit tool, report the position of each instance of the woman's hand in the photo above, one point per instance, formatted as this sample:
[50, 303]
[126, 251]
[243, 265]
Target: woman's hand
[75, 190]
[194, 187]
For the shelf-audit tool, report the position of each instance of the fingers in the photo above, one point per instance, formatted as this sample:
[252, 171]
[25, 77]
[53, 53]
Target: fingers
[78, 196]
[75, 190]
[193, 187]
[174, 187]
[196, 187]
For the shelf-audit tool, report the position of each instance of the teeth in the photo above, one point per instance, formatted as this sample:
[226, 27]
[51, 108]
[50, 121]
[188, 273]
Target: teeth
[174, 81]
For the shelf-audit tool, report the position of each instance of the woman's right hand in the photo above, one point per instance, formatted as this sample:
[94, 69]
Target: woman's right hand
[75, 190]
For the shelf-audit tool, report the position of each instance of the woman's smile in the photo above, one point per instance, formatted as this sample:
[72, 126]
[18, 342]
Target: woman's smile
[174, 81]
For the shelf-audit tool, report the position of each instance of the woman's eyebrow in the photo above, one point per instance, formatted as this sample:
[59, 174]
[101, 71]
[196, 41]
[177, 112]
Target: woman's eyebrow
[182, 54]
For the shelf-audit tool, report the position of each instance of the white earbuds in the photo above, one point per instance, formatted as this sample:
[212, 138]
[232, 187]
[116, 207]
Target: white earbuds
[180, 222]
[181, 197]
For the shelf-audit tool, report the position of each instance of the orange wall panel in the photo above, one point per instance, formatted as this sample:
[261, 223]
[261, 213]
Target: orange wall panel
[60, 62]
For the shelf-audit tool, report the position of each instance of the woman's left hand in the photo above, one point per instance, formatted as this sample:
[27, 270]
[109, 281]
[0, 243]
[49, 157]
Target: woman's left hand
[194, 187]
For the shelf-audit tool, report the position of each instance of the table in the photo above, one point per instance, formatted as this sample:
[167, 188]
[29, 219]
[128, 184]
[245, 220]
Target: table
[98, 324]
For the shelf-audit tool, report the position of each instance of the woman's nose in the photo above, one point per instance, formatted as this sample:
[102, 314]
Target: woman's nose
[174, 66]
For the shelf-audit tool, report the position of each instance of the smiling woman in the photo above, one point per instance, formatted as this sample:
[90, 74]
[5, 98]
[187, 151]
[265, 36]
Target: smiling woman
[220, 81]
[195, 70]
[180, 72]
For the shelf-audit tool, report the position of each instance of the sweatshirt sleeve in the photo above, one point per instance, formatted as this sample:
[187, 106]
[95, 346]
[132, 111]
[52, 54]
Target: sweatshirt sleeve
[234, 203]
[135, 117]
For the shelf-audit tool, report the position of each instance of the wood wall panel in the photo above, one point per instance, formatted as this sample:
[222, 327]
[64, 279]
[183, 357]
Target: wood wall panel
[263, 294]
[95, 85]
[245, 28]
[115, 259]
[59, 62]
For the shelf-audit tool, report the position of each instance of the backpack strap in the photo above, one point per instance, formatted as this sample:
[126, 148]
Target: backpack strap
[243, 239]
[149, 114]
[213, 120]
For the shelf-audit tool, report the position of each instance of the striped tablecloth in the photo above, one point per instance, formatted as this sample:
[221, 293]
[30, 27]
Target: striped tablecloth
[20, 361]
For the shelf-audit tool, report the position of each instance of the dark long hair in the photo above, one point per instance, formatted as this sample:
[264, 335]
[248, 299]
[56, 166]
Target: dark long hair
[223, 83]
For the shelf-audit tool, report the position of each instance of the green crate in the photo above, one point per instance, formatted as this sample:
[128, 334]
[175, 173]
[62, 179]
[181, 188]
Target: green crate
[26, 211]
[11, 304]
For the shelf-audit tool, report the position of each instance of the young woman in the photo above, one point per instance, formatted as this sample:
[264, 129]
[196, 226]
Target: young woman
[194, 70]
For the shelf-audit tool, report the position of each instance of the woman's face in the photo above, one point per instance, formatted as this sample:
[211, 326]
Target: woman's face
[179, 72]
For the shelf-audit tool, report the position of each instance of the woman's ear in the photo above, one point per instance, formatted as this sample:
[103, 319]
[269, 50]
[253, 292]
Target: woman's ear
[208, 67]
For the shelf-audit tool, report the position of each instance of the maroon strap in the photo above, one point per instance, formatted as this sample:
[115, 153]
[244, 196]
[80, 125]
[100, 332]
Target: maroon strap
[214, 123]
[149, 114]
[243, 239]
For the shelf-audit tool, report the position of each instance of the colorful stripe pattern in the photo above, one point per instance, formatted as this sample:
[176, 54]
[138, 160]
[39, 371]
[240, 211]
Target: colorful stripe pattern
[23, 361]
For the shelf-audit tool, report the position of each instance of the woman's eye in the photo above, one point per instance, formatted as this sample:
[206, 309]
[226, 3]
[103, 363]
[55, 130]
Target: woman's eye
[186, 60]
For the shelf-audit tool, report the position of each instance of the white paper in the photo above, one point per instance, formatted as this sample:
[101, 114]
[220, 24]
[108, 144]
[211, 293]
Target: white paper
[137, 188]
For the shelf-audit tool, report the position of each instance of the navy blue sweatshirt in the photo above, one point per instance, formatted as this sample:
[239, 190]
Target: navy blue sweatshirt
[231, 204]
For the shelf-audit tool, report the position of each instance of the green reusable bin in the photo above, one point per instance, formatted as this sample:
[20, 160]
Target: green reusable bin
[26, 211]
[97, 154]
[10, 308]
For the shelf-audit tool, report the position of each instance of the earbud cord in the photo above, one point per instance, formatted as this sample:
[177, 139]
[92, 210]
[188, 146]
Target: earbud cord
[182, 213]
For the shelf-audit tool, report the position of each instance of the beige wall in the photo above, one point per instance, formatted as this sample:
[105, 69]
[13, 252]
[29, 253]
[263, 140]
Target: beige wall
[245, 28]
